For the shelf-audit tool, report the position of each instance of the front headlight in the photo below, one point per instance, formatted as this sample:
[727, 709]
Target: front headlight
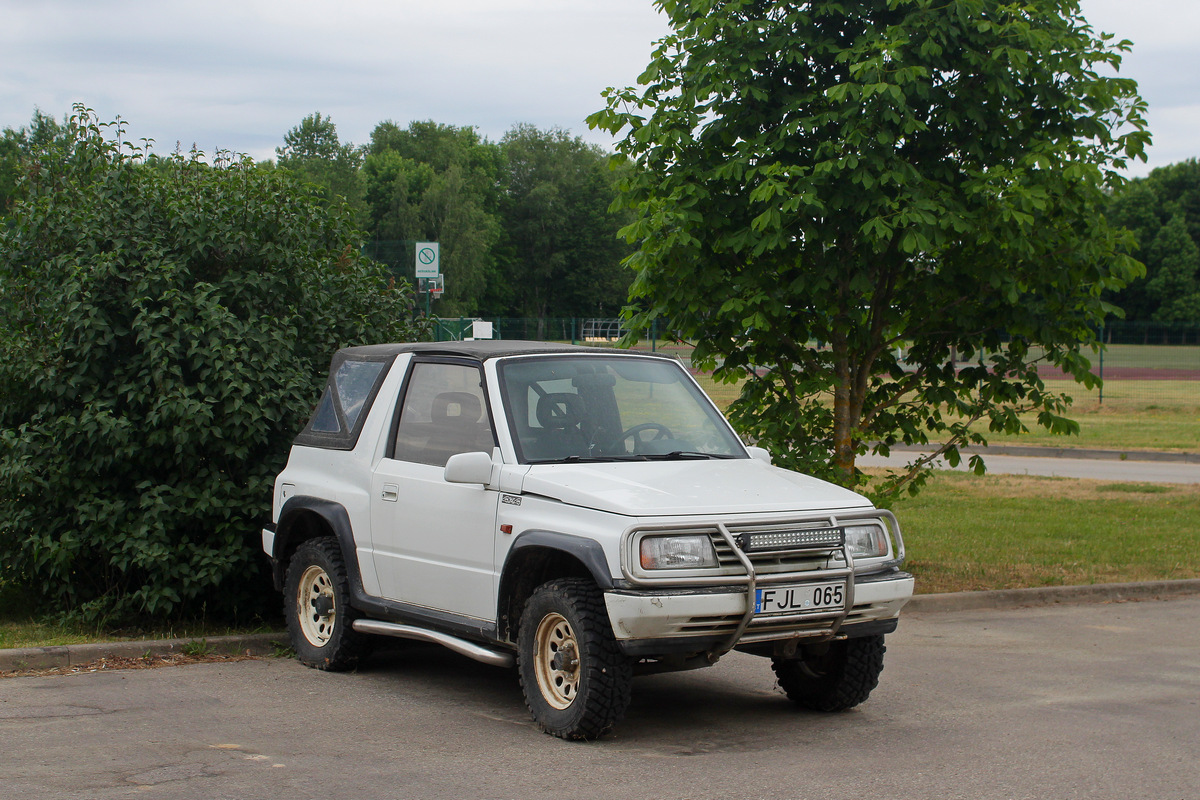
[677, 552]
[866, 541]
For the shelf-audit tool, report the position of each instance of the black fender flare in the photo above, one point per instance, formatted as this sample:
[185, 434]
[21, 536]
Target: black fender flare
[334, 516]
[586, 551]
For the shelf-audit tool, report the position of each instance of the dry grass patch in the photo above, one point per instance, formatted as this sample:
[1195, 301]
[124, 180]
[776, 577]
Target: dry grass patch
[123, 662]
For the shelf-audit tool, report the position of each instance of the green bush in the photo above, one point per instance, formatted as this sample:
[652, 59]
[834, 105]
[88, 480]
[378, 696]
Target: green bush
[165, 327]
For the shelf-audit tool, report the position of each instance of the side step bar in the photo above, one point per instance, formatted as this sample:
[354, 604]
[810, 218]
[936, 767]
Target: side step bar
[497, 658]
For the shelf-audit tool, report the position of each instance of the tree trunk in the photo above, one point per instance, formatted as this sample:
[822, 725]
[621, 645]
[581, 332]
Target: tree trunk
[843, 441]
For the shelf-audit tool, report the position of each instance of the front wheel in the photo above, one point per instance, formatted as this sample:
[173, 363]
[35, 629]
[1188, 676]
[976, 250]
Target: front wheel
[832, 677]
[575, 678]
[317, 604]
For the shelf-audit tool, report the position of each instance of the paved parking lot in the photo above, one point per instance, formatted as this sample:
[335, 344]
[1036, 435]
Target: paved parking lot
[1082, 701]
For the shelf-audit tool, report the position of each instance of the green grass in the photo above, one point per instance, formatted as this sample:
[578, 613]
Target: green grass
[1128, 431]
[1133, 395]
[1135, 415]
[965, 532]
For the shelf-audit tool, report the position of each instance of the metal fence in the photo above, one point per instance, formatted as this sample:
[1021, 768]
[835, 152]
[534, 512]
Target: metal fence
[595, 332]
[1142, 365]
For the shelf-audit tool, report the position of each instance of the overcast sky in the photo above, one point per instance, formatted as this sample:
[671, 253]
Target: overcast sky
[238, 75]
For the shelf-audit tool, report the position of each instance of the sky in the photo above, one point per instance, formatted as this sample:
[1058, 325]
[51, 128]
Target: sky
[238, 75]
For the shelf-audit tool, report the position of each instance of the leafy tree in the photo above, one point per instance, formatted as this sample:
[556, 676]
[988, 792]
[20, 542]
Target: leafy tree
[11, 144]
[313, 151]
[16, 149]
[562, 255]
[821, 186]
[1163, 211]
[1175, 283]
[433, 182]
[441, 147]
[167, 327]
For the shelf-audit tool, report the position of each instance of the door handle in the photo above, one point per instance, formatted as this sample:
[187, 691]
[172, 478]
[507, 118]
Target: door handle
[391, 492]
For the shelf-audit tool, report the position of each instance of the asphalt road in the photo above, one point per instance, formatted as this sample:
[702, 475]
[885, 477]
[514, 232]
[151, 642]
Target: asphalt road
[1098, 469]
[1085, 701]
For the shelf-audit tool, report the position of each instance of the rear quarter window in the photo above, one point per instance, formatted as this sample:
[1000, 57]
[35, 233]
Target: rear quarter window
[349, 392]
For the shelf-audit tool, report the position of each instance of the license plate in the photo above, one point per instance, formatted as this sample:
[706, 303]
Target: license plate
[800, 599]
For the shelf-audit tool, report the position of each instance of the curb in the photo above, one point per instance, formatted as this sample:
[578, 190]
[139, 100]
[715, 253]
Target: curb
[1035, 451]
[263, 644]
[1051, 596]
[255, 644]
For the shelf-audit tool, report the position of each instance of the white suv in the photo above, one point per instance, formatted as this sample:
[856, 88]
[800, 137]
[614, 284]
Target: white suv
[585, 514]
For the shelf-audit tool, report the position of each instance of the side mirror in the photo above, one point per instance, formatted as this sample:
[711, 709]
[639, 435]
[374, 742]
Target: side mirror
[761, 453]
[469, 468]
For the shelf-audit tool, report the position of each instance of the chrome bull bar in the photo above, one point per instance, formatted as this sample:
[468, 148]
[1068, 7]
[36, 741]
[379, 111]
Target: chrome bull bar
[891, 526]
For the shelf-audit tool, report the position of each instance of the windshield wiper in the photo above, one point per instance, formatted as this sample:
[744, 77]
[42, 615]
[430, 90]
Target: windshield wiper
[687, 455]
[589, 459]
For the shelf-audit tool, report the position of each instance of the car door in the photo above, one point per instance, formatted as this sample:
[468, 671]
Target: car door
[433, 541]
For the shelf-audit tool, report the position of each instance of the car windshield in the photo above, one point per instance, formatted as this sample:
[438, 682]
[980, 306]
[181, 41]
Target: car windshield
[595, 408]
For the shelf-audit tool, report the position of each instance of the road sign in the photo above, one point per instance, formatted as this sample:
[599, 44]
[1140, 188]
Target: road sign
[428, 260]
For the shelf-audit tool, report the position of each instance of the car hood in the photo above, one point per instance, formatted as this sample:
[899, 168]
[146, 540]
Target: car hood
[677, 488]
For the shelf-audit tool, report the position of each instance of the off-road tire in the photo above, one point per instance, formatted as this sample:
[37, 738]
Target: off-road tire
[585, 692]
[316, 601]
[837, 679]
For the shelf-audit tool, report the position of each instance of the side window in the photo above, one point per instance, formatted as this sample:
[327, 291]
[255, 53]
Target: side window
[444, 413]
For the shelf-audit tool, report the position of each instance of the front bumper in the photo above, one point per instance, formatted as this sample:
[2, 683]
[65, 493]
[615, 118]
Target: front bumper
[712, 610]
[650, 622]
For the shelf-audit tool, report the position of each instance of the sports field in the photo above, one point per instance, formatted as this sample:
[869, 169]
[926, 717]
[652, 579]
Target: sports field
[1149, 400]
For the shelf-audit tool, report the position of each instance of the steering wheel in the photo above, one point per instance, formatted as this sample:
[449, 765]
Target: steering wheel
[632, 433]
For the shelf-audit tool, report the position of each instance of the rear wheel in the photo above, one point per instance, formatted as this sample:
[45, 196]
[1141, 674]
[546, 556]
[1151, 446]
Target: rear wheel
[317, 604]
[575, 678]
[832, 677]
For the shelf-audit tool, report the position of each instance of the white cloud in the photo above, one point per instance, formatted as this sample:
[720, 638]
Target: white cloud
[1164, 61]
[1149, 24]
[238, 75]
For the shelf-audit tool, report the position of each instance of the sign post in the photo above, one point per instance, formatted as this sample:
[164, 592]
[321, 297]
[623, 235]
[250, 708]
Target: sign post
[428, 263]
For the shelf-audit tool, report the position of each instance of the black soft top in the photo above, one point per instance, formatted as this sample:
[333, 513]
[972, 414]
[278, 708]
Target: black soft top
[480, 349]
[337, 422]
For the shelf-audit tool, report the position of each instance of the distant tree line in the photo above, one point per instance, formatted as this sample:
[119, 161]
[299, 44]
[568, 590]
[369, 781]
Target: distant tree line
[524, 223]
[526, 229]
[1163, 211]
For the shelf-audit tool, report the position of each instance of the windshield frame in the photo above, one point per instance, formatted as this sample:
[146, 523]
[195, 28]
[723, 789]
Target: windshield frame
[506, 387]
